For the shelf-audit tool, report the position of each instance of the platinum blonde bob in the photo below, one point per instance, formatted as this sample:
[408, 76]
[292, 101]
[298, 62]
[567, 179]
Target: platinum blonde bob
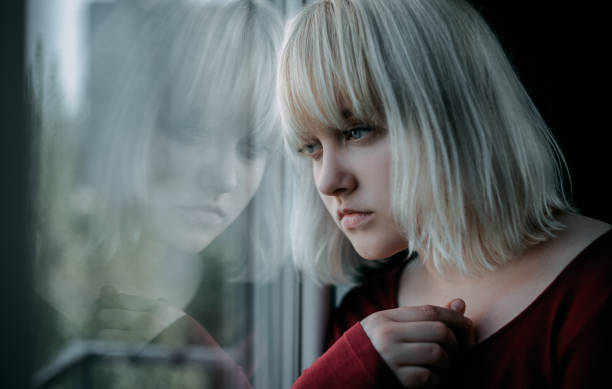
[476, 176]
[192, 54]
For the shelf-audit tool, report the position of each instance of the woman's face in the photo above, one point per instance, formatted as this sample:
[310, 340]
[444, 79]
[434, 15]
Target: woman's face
[203, 174]
[351, 172]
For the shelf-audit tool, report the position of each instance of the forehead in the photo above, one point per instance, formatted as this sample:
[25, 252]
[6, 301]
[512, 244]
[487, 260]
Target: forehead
[200, 120]
[317, 127]
[200, 95]
[227, 118]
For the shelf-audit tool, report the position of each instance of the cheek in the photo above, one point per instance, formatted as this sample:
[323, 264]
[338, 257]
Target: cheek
[377, 170]
[249, 175]
[316, 174]
[171, 163]
[327, 203]
[326, 200]
[163, 170]
[255, 171]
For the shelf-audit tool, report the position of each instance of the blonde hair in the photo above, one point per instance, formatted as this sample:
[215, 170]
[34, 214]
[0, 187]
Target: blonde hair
[476, 175]
[204, 54]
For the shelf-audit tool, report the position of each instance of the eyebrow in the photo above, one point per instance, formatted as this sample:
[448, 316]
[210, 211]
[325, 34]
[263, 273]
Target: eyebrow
[347, 114]
[350, 118]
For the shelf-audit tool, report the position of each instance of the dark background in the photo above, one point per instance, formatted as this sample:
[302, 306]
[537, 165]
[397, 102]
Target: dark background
[557, 49]
[15, 302]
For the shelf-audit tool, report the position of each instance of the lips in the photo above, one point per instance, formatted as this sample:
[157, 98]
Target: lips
[203, 214]
[204, 208]
[350, 218]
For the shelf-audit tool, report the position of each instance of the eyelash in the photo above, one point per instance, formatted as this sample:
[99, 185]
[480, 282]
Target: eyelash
[349, 135]
[247, 147]
[252, 150]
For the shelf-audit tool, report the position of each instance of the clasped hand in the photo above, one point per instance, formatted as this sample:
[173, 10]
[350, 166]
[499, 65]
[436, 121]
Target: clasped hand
[417, 342]
[128, 318]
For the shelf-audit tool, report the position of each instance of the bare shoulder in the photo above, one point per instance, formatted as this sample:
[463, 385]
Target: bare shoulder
[505, 293]
[581, 231]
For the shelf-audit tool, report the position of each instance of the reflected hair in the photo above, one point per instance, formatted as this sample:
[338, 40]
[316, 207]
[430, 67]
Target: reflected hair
[476, 176]
[175, 51]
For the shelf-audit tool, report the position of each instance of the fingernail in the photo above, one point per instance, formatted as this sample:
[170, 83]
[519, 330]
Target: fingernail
[457, 305]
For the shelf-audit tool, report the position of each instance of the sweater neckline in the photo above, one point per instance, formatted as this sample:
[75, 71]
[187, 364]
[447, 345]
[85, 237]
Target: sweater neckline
[395, 276]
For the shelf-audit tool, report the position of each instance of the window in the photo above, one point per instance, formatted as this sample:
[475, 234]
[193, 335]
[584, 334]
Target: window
[159, 197]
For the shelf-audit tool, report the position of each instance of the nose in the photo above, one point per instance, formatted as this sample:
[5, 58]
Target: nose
[333, 175]
[220, 175]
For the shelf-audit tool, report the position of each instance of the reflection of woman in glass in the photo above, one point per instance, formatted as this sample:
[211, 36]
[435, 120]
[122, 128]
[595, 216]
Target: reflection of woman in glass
[181, 129]
[417, 135]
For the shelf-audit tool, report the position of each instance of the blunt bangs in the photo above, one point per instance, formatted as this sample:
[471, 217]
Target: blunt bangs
[232, 50]
[324, 74]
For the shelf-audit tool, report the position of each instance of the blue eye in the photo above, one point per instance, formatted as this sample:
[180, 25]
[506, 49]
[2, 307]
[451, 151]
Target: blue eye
[356, 133]
[310, 149]
[251, 148]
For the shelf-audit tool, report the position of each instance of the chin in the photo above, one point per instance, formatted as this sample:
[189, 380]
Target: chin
[374, 253]
[192, 247]
[379, 249]
[187, 242]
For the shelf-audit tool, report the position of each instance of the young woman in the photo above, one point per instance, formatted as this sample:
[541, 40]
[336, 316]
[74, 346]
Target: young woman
[415, 138]
[179, 134]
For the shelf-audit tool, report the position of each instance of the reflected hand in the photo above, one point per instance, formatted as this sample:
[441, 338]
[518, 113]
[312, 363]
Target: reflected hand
[416, 342]
[128, 318]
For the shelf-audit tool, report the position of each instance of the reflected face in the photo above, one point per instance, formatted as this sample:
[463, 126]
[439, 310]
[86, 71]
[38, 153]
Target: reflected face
[203, 174]
[351, 172]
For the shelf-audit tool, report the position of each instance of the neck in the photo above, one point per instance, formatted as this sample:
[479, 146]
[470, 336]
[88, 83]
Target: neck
[453, 278]
[530, 260]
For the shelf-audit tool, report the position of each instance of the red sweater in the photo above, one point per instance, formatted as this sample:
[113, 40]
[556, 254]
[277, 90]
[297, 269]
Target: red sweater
[561, 340]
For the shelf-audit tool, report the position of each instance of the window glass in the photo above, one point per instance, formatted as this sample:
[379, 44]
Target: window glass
[160, 258]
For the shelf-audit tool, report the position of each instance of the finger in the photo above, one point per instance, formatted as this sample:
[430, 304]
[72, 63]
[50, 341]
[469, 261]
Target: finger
[128, 301]
[428, 332]
[417, 377]
[457, 305]
[429, 313]
[419, 354]
[470, 338]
